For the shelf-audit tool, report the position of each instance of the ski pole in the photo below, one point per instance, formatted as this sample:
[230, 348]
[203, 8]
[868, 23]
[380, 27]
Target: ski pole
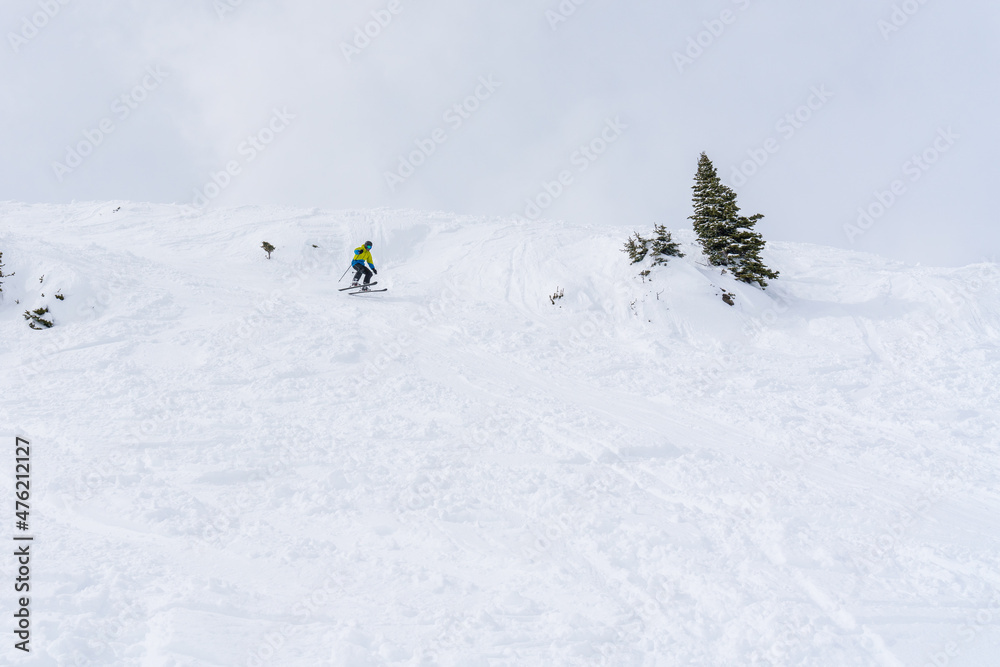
[345, 273]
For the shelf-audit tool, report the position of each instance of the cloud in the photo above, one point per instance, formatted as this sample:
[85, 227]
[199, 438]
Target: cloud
[355, 116]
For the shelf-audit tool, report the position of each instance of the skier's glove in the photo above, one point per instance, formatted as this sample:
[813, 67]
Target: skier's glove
[375, 271]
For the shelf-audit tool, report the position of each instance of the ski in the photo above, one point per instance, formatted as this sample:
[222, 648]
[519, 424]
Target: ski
[355, 286]
[371, 291]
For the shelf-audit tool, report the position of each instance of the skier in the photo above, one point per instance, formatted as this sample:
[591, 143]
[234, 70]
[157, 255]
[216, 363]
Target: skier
[362, 255]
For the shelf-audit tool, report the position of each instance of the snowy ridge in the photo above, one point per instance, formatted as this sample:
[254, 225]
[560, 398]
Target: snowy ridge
[238, 465]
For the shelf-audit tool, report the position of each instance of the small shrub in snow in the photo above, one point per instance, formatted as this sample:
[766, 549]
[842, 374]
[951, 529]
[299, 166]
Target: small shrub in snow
[636, 248]
[663, 246]
[60, 296]
[558, 294]
[2, 274]
[268, 248]
[35, 319]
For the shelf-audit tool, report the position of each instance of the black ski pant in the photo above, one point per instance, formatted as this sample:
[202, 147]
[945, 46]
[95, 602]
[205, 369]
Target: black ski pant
[362, 269]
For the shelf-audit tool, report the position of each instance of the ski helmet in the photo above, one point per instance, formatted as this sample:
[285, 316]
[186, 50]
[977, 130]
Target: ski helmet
[368, 244]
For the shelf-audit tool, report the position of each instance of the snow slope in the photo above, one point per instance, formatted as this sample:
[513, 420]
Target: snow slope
[235, 464]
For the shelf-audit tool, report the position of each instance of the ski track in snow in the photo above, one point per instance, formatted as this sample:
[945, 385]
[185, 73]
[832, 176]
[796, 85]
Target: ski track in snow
[234, 464]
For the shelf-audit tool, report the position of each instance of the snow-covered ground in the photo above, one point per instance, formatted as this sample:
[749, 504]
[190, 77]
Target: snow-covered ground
[233, 463]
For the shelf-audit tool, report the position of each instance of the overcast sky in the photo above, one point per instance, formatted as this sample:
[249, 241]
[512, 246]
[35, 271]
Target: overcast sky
[833, 99]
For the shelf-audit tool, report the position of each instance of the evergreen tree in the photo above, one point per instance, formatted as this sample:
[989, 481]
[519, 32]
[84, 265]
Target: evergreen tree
[636, 248]
[726, 237]
[663, 246]
[746, 247]
[714, 208]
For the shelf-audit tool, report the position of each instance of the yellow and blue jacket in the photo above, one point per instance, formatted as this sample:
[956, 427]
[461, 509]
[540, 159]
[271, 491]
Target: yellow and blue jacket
[362, 255]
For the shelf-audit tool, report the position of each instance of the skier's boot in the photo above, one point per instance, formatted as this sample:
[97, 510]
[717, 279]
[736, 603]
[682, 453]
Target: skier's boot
[364, 288]
[355, 284]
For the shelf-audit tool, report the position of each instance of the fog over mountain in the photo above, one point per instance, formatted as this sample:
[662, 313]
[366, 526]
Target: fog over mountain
[867, 125]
